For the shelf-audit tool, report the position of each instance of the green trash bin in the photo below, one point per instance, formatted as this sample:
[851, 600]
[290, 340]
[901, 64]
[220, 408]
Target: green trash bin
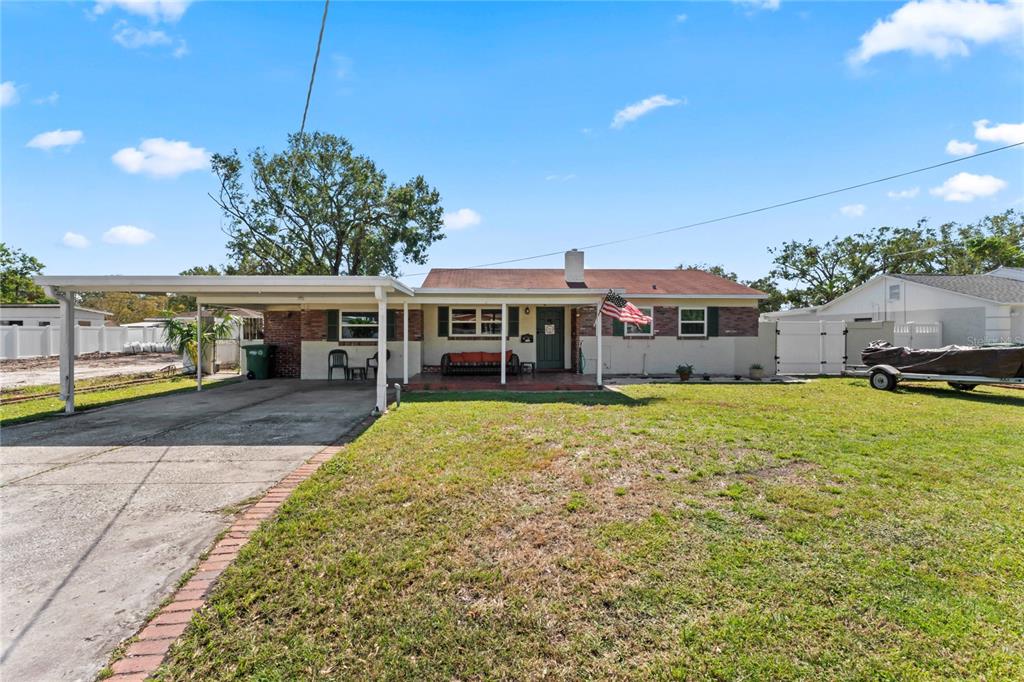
[257, 361]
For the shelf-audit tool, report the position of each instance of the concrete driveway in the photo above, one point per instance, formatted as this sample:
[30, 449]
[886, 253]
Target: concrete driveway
[102, 512]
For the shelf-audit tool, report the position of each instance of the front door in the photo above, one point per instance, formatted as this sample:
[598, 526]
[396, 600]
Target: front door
[550, 338]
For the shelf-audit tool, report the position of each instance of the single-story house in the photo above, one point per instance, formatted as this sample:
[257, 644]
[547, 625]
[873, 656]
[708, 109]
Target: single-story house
[544, 316]
[46, 314]
[970, 309]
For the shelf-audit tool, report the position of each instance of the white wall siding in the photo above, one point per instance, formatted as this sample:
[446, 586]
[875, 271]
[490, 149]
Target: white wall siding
[314, 358]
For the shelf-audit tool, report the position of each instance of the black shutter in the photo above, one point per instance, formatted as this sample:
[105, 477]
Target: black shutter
[332, 325]
[618, 329]
[712, 321]
[392, 334]
[442, 320]
[513, 321]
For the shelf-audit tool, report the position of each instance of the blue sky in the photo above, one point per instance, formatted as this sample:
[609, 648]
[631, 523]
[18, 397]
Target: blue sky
[510, 111]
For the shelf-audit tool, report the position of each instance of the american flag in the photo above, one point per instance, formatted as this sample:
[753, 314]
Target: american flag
[624, 311]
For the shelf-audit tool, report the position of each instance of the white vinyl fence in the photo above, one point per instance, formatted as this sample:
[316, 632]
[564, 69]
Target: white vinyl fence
[34, 342]
[914, 335]
[810, 347]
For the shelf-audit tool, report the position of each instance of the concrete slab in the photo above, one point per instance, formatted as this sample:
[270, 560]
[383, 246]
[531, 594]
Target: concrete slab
[101, 512]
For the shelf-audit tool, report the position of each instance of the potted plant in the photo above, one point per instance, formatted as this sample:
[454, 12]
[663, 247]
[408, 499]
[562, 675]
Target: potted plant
[756, 372]
[684, 372]
[181, 336]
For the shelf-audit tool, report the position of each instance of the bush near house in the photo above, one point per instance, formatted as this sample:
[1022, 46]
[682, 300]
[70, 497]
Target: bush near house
[817, 531]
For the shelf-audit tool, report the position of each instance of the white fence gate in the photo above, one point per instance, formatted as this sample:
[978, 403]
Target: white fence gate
[914, 335]
[810, 347]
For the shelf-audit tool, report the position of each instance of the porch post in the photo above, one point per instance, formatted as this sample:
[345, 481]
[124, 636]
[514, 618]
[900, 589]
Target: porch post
[382, 350]
[199, 346]
[600, 344]
[67, 350]
[405, 342]
[504, 340]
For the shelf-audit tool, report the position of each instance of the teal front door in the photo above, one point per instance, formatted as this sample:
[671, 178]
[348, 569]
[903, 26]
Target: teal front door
[550, 338]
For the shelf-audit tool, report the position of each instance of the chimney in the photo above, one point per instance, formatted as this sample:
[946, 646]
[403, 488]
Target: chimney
[574, 268]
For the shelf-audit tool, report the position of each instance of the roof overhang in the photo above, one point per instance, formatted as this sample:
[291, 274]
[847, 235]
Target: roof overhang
[233, 287]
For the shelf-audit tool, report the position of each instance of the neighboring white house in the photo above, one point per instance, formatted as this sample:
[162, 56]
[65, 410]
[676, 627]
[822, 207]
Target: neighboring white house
[969, 309]
[46, 314]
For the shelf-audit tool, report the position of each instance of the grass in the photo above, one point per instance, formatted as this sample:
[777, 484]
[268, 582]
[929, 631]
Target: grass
[816, 531]
[41, 408]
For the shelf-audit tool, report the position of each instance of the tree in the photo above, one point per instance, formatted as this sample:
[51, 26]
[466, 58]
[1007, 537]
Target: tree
[319, 209]
[124, 307]
[776, 299]
[16, 271]
[713, 269]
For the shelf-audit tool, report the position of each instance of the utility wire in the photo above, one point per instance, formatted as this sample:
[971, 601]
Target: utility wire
[316, 59]
[752, 211]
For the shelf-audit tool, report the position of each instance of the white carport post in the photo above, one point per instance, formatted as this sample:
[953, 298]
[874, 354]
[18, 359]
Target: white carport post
[382, 349]
[405, 342]
[600, 344]
[504, 340]
[67, 350]
[199, 346]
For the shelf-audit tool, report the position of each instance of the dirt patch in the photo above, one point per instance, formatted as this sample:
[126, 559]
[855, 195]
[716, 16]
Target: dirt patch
[39, 371]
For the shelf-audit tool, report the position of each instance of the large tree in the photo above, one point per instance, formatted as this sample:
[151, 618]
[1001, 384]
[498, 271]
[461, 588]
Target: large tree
[16, 271]
[317, 208]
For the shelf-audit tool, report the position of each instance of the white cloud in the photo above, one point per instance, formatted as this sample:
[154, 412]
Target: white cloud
[154, 10]
[904, 193]
[461, 219]
[958, 148]
[134, 38]
[940, 28]
[8, 94]
[641, 108]
[181, 50]
[56, 138]
[853, 210]
[342, 66]
[50, 99]
[162, 158]
[680, 18]
[554, 177]
[128, 234]
[968, 187]
[1009, 133]
[75, 240]
[771, 5]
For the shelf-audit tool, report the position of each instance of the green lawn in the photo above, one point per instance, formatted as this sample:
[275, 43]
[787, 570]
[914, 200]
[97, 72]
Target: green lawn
[40, 408]
[816, 531]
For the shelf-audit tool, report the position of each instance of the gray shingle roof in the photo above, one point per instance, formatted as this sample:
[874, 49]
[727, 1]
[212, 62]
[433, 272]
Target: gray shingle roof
[988, 287]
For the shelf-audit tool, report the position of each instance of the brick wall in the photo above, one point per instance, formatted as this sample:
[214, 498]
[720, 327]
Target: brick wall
[666, 320]
[314, 325]
[283, 330]
[737, 321]
[415, 325]
[585, 320]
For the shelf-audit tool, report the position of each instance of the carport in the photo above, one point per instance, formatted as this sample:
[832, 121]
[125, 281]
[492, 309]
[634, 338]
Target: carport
[256, 292]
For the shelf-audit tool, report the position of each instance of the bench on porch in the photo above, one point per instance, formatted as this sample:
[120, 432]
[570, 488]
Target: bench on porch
[478, 363]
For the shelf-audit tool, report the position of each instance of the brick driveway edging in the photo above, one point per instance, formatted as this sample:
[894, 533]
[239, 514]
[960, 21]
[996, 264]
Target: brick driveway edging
[147, 653]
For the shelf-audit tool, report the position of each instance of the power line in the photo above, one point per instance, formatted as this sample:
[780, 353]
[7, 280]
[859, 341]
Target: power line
[316, 59]
[741, 214]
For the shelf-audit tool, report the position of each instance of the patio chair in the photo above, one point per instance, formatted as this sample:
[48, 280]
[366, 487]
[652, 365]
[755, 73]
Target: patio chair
[371, 363]
[337, 359]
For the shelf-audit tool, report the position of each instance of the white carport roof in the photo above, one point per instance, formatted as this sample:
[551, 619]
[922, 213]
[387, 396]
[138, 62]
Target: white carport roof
[233, 289]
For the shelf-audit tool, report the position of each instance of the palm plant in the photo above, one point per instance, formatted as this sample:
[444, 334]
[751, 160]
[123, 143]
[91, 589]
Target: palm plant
[181, 335]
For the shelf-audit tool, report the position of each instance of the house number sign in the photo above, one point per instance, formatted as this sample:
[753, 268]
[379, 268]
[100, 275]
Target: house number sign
[549, 330]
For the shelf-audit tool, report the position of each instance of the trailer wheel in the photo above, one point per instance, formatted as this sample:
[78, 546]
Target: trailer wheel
[882, 380]
[962, 386]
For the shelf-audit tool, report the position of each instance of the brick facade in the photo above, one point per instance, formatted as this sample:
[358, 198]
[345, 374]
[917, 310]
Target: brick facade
[314, 325]
[666, 320]
[738, 321]
[283, 330]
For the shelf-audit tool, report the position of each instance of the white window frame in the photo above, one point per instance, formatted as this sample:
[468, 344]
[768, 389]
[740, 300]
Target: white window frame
[478, 322]
[895, 289]
[361, 313]
[633, 330]
[680, 321]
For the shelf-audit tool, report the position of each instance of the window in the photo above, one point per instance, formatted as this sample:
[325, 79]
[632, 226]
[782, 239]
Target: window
[475, 322]
[693, 322]
[642, 329]
[894, 292]
[359, 325]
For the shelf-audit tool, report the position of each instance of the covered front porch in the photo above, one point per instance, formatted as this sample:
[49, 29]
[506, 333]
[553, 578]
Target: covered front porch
[539, 381]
